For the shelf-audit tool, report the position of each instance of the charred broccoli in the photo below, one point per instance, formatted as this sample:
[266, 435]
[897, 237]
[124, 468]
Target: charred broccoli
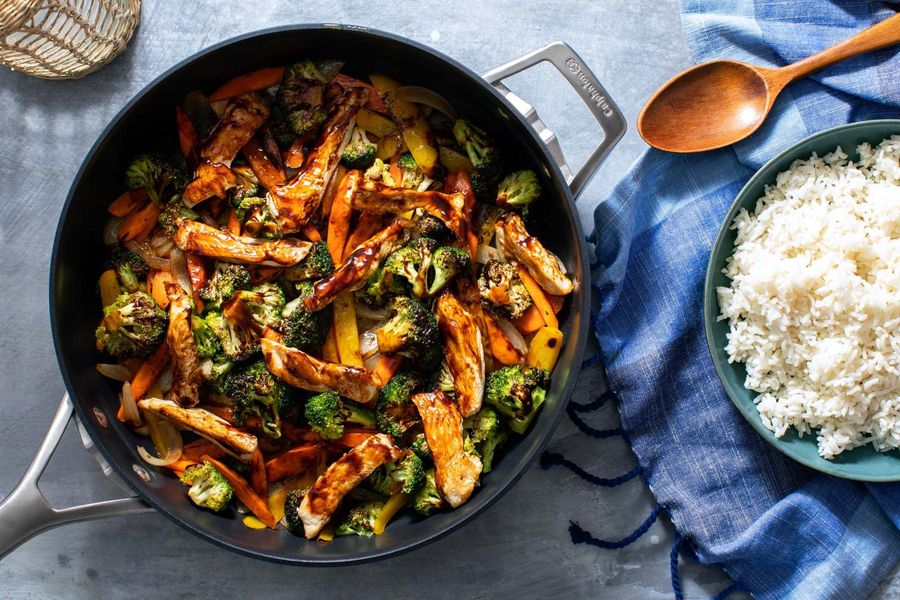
[380, 286]
[302, 329]
[486, 434]
[360, 152]
[360, 520]
[156, 175]
[317, 264]
[246, 186]
[255, 391]
[411, 176]
[395, 414]
[299, 110]
[292, 511]
[327, 415]
[488, 215]
[265, 302]
[208, 488]
[412, 331]
[173, 214]
[226, 280]
[483, 155]
[446, 263]
[517, 393]
[430, 227]
[205, 338]
[518, 190]
[130, 268]
[502, 290]
[212, 369]
[238, 336]
[427, 499]
[133, 325]
[411, 264]
[421, 448]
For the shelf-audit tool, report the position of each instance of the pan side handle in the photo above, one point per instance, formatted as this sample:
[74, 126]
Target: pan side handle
[26, 512]
[594, 95]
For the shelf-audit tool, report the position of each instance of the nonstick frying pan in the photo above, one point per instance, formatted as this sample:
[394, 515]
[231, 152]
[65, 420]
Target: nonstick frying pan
[146, 123]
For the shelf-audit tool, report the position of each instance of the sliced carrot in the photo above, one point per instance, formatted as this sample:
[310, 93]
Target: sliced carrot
[368, 225]
[293, 157]
[295, 461]
[234, 224]
[149, 371]
[138, 225]
[501, 348]
[556, 302]
[312, 234]
[196, 449]
[258, 474]
[187, 138]
[530, 321]
[540, 298]
[269, 173]
[254, 81]
[339, 218]
[387, 367]
[128, 202]
[354, 437]
[156, 286]
[197, 272]
[394, 170]
[257, 505]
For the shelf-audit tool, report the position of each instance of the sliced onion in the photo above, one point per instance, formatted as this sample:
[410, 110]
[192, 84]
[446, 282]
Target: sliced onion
[153, 261]
[129, 405]
[167, 460]
[485, 253]
[368, 343]
[426, 183]
[165, 380]
[111, 233]
[421, 95]
[165, 438]
[161, 244]
[180, 270]
[510, 331]
[116, 372]
[372, 362]
[371, 314]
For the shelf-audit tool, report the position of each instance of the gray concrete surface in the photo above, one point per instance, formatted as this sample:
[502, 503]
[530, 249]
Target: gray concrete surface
[520, 547]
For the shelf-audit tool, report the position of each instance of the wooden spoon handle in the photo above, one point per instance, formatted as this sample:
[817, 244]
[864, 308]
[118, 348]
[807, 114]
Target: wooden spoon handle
[877, 36]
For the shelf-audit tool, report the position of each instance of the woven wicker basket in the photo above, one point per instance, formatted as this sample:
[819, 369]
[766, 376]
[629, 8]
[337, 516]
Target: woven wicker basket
[64, 39]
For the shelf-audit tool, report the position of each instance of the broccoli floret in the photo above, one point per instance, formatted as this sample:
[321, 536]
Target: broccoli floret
[360, 152]
[205, 338]
[427, 499]
[292, 511]
[380, 286]
[488, 215]
[317, 264]
[239, 338]
[156, 175]
[517, 393]
[226, 280]
[421, 448]
[133, 325]
[412, 331]
[212, 369]
[482, 153]
[129, 267]
[518, 190]
[502, 290]
[411, 264]
[265, 302]
[173, 214]
[406, 476]
[246, 186]
[208, 488]
[411, 176]
[484, 185]
[446, 263]
[301, 328]
[360, 520]
[327, 415]
[258, 217]
[300, 99]
[486, 434]
[443, 379]
[395, 414]
[376, 171]
[406, 161]
[255, 391]
[429, 226]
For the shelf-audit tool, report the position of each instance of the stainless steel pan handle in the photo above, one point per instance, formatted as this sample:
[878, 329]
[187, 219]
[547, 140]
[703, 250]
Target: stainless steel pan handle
[26, 512]
[608, 115]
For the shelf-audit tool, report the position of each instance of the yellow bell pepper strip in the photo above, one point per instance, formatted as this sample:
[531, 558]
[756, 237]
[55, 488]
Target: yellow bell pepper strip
[543, 351]
[413, 126]
[539, 297]
[379, 125]
[109, 287]
[329, 348]
[346, 334]
[390, 508]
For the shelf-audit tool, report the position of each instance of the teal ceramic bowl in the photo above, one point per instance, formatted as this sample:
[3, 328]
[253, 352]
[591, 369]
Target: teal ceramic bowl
[863, 464]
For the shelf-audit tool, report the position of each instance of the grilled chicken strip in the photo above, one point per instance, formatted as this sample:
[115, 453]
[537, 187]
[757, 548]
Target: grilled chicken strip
[376, 198]
[455, 471]
[301, 370]
[358, 267]
[542, 264]
[464, 350]
[342, 476]
[206, 424]
[298, 200]
[193, 236]
[180, 339]
[242, 117]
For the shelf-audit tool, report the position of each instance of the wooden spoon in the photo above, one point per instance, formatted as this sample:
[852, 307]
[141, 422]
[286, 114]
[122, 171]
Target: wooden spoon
[721, 102]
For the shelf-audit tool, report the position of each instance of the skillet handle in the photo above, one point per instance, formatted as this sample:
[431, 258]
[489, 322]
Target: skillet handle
[608, 115]
[26, 512]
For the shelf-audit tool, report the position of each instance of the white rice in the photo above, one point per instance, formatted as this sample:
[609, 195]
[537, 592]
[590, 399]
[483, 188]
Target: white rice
[814, 302]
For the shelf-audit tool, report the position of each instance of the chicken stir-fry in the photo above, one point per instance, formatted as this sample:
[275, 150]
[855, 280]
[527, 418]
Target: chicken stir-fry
[334, 285]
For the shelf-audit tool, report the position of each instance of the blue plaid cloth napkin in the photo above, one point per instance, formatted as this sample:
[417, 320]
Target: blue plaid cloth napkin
[779, 529]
